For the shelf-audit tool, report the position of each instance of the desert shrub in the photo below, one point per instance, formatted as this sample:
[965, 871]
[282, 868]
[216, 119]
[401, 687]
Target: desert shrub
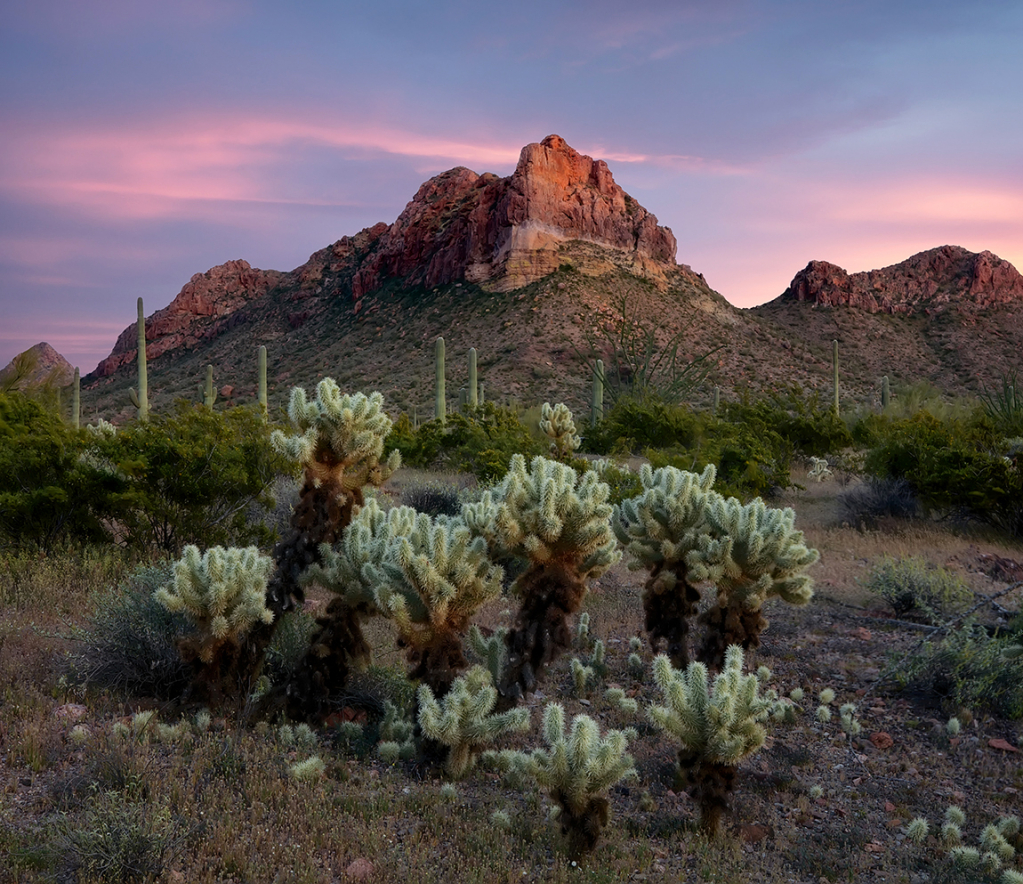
[115, 841]
[65, 576]
[192, 476]
[879, 498]
[647, 422]
[129, 642]
[959, 467]
[807, 424]
[969, 668]
[1005, 406]
[434, 498]
[911, 585]
[481, 441]
[622, 482]
[51, 493]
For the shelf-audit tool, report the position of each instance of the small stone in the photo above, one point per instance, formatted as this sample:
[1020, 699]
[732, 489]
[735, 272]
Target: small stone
[360, 869]
[1003, 745]
[882, 740]
[71, 711]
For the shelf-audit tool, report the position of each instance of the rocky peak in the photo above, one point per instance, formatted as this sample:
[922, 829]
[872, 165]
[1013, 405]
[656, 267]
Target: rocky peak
[218, 292]
[39, 364]
[928, 282]
[505, 232]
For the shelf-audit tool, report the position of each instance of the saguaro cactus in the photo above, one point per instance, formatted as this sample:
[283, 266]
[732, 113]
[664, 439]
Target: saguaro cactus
[885, 393]
[717, 728]
[209, 395]
[834, 376]
[140, 398]
[597, 400]
[440, 408]
[262, 380]
[76, 400]
[474, 398]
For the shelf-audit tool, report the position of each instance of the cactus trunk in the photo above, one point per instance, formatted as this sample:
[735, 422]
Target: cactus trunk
[440, 411]
[262, 380]
[76, 400]
[834, 375]
[141, 399]
[885, 393]
[473, 380]
[209, 395]
[717, 400]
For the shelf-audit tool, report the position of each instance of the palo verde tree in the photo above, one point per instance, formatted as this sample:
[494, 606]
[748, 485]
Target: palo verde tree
[758, 554]
[223, 593]
[659, 529]
[717, 726]
[558, 523]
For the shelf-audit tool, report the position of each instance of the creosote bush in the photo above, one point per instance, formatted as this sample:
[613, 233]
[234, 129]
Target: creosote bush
[910, 586]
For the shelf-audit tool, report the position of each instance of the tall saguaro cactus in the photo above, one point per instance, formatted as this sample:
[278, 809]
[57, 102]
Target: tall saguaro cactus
[76, 400]
[262, 380]
[440, 410]
[834, 376]
[597, 401]
[474, 398]
[209, 395]
[885, 393]
[140, 398]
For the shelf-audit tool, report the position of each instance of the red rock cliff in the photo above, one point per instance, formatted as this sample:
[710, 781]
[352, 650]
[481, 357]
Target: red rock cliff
[930, 282]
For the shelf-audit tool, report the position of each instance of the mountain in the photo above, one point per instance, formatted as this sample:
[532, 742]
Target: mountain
[39, 365]
[947, 316]
[533, 270]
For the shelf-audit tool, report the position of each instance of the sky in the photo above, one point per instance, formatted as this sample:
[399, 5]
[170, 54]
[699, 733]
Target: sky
[143, 142]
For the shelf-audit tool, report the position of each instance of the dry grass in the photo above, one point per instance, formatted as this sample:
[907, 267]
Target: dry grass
[220, 805]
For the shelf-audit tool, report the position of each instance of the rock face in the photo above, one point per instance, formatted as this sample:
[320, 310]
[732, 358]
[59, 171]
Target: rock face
[219, 292]
[37, 365]
[929, 282]
[504, 232]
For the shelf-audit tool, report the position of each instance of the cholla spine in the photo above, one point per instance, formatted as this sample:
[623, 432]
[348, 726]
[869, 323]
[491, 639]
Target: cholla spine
[463, 718]
[342, 436]
[720, 723]
[222, 591]
[558, 425]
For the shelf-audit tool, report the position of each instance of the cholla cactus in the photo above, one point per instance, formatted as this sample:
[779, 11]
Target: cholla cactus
[659, 529]
[339, 646]
[340, 450]
[433, 576]
[463, 721]
[818, 469]
[559, 427]
[558, 522]
[576, 770]
[759, 554]
[491, 649]
[101, 429]
[223, 593]
[718, 727]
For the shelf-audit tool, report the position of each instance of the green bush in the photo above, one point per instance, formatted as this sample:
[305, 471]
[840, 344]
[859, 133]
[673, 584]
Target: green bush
[911, 585]
[956, 466]
[481, 441]
[192, 477]
[51, 492]
[969, 668]
[808, 425]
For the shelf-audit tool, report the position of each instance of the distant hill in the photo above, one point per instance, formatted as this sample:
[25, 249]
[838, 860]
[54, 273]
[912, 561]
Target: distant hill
[37, 366]
[525, 268]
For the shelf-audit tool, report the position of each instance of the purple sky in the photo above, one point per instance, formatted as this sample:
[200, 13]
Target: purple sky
[142, 142]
